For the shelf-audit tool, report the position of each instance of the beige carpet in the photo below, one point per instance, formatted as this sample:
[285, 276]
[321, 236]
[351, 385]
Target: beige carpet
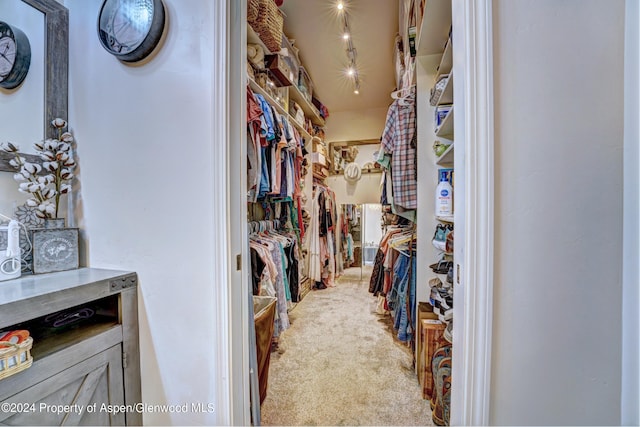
[340, 364]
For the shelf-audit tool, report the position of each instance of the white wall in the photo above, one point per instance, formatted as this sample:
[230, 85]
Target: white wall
[366, 190]
[630, 412]
[558, 214]
[355, 126]
[153, 185]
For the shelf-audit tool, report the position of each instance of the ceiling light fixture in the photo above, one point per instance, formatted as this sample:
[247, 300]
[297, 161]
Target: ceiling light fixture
[352, 71]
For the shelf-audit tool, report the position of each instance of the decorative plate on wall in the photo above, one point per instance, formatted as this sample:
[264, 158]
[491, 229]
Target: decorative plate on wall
[131, 29]
[15, 56]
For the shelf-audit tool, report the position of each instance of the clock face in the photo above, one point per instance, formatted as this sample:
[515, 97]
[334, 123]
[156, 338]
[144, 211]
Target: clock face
[130, 29]
[7, 56]
[15, 56]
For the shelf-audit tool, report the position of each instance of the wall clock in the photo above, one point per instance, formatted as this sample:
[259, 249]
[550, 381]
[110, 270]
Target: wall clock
[131, 29]
[15, 56]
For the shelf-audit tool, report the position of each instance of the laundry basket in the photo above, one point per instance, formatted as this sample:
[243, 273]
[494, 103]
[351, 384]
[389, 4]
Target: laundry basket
[264, 311]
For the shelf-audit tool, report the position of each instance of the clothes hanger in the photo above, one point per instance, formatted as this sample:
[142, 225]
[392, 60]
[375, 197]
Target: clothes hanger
[404, 92]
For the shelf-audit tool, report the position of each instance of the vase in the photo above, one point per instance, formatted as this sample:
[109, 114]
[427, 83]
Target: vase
[55, 247]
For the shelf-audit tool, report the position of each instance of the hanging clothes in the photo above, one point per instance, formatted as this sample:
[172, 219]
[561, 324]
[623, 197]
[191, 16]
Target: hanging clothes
[393, 279]
[274, 153]
[274, 271]
[398, 155]
[322, 237]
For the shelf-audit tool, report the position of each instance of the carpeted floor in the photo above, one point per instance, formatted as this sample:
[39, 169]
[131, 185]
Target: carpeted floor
[340, 364]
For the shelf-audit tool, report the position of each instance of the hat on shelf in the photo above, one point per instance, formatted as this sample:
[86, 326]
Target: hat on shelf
[352, 172]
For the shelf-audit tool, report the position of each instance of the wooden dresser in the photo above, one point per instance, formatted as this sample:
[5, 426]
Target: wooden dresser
[86, 360]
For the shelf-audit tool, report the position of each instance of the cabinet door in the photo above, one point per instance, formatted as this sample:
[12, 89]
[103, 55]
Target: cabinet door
[79, 395]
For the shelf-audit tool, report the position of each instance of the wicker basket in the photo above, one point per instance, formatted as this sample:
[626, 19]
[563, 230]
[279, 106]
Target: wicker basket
[253, 10]
[269, 25]
[15, 357]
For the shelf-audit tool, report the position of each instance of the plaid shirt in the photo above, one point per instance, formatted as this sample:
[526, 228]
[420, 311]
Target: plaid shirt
[396, 139]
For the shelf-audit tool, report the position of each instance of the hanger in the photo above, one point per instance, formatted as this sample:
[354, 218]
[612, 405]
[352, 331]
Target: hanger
[403, 93]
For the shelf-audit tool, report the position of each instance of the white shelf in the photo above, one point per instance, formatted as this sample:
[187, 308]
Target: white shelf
[445, 130]
[434, 29]
[309, 109]
[446, 63]
[254, 38]
[257, 89]
[446, 158]
[448, 219]
[446, 97]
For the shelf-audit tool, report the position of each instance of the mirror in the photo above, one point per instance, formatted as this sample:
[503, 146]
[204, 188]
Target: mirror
[364, 153]
[50, 60]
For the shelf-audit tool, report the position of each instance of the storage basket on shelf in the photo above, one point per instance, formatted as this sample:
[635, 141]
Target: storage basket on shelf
[15, 357]
[269, 25]
[253, 10]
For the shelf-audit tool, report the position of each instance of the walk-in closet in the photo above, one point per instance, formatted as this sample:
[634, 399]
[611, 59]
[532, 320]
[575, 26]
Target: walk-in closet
[350, 211]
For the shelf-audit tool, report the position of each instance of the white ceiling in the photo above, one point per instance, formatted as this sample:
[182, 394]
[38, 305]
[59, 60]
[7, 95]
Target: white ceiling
[317, 29]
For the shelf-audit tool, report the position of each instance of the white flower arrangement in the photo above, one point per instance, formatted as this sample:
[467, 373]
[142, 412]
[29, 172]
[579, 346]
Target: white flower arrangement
[45, 189]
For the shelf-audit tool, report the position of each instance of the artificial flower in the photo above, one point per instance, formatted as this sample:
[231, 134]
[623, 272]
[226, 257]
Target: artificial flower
[59, 123]
[46, 188]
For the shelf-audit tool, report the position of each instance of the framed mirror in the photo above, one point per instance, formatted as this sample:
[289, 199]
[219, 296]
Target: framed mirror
[55, 43]
[363, 152]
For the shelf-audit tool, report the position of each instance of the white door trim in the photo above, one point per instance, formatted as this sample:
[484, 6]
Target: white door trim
[471, 366]
[220, 132]
[237, 241]
[629, 413]
[472, 363]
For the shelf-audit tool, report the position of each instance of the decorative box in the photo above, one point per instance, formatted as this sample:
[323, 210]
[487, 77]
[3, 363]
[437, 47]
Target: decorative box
[280, 70]
[290, 55]
[305, 85]
[296, 112]
[55, 248]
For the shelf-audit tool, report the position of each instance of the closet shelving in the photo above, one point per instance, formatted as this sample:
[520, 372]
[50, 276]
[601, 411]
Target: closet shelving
[434, 59]
[446, 159]
[311, 114]
[446, 97]
[445, 219]
[434, 27]
[255, 87]
[309, 109]
[446, 63]
[445, 130]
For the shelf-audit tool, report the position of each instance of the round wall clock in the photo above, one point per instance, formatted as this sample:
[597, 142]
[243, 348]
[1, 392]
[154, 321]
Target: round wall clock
[15, 56]
[131, 29]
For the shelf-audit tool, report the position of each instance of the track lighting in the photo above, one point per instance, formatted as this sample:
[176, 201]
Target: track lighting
[352, 71]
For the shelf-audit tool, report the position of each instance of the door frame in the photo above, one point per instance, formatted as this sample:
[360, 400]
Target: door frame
[472, 337]
[471, 367]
